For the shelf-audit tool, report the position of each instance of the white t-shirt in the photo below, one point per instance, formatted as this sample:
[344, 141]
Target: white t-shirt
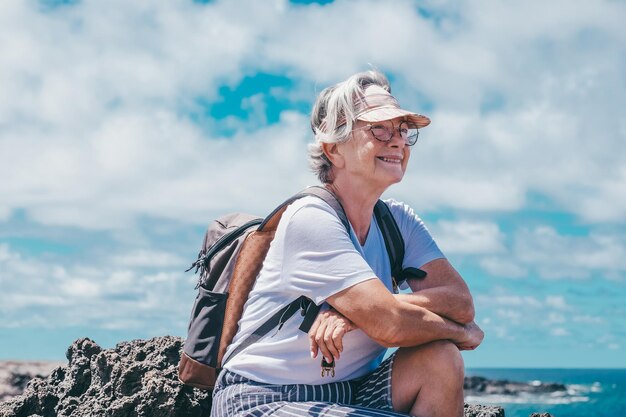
[313, 255]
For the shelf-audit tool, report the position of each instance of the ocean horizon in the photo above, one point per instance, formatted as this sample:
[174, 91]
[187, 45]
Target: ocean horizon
[598, 392]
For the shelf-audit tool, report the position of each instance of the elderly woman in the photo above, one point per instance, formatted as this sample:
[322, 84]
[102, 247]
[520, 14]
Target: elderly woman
[362, 146]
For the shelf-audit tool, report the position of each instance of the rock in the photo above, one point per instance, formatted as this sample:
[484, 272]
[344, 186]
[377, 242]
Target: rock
[135, 378]
[477, 385]
[15, 375]
[474, 410]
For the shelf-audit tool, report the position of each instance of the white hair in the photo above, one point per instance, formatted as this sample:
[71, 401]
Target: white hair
[333, 115]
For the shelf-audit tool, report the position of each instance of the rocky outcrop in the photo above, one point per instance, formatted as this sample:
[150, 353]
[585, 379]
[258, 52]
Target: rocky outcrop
[14, 375]
[472, 410]
[477, 385]
[137, 378]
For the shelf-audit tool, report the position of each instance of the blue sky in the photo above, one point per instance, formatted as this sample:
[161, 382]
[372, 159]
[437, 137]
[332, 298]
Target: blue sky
[125, 127]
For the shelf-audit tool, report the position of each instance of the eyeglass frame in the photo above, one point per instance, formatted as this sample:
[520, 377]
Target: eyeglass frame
[391, 133]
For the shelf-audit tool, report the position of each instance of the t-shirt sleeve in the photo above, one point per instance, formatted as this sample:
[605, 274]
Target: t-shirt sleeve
[319, 258]
[419, 246]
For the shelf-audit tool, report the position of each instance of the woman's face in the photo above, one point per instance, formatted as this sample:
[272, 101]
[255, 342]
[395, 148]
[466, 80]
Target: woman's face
[377, 163]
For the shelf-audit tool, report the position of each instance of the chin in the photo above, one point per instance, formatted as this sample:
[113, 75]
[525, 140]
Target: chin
[393, 180]
[397, 177]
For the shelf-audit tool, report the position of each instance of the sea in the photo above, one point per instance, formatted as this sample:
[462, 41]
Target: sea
[590, 392]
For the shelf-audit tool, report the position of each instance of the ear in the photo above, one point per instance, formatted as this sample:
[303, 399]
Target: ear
[331, 150]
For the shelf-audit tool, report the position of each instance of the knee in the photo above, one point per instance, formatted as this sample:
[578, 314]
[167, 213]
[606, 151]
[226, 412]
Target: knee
[440, 358]
[445, 357]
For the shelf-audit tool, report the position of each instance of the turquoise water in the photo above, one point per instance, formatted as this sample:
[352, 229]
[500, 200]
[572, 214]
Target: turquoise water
[591, 392]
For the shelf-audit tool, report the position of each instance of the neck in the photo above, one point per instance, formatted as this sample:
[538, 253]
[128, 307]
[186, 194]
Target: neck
[358, 203]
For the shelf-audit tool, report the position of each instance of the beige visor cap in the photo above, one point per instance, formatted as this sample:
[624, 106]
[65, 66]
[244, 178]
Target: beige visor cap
[378, 105]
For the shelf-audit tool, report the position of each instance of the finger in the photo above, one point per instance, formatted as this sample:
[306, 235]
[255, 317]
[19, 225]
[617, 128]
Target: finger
[314, 348]
[312, 336]
[330, 341]
[314, 332]
[321, 343]
[338, 334]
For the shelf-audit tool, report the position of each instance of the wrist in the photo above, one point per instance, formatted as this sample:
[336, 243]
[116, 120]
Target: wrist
[459, 331]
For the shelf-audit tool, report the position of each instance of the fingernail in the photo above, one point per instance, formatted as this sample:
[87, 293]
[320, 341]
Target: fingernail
[312, 355]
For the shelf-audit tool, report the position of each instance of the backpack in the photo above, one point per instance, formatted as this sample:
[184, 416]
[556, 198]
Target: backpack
[229, 262]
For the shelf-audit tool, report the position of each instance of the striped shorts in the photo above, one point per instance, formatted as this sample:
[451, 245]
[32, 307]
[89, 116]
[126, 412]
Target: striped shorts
[369, 395]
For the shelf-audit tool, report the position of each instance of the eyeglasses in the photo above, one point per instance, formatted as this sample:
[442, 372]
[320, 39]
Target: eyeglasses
[407, 130]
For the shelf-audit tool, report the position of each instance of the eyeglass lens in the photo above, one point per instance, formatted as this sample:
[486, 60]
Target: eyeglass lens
[407, 130]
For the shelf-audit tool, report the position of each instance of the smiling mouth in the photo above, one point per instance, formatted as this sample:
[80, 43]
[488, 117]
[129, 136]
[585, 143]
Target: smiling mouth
[390, 160]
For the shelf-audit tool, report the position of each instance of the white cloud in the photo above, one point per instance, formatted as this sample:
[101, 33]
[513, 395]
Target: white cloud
[5, 213]
[104, 104]
[555, 318]
[5, 253]
[559, 332]
[81, 288]
[553, 302]
[587, 319]
[144, 258]
[557, 256]
[97, 132]
[502, 267]
[154, 165]
[576, 319]
[557, 301]
[468, 237]
[513, 316]
[99, 294]
[509, 300]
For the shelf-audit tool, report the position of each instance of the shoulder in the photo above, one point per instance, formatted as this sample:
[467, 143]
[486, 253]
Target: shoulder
[310, 216]
[420, 247]
[402, 211]
[410, 224]
[307, 208]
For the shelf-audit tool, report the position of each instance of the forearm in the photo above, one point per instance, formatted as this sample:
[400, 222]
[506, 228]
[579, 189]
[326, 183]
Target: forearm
[413, 325]
[391, 321]
[443, 301]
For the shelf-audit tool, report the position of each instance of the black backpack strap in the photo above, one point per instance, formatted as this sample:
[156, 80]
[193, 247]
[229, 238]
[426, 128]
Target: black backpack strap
[302, 303]
[392, 236]
[394, 244]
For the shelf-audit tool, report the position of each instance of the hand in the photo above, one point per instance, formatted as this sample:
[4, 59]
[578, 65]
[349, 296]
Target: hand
[473, 336]
[326, 334]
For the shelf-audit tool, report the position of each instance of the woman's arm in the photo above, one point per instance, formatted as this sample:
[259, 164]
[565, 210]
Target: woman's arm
[395, 323]
[442, 292]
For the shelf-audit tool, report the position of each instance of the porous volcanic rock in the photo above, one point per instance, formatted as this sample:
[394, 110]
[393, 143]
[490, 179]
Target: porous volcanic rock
[14, 375]
[477, 385]
[136, 378]
[474, 410]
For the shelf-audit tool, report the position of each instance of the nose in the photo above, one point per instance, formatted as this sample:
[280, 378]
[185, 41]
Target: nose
[397, 141]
